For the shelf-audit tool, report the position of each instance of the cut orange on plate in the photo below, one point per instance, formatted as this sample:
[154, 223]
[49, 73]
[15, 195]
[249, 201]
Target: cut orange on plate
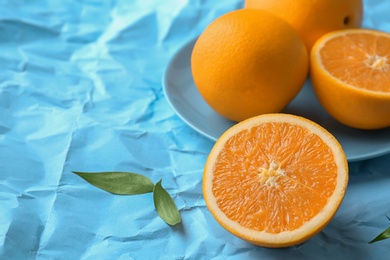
[275, 180]
[350, 72]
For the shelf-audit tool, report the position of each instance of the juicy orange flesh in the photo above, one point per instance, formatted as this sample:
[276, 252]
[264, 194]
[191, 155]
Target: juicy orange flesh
[274, 177]
[359, 59]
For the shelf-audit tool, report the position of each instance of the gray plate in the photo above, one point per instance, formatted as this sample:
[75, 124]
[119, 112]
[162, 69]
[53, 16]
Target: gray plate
[183, 96]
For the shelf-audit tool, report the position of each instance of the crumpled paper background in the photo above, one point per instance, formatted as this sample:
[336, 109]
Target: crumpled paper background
[80, 89]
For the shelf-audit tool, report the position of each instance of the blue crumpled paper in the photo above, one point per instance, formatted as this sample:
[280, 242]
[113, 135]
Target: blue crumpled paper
[80, 89]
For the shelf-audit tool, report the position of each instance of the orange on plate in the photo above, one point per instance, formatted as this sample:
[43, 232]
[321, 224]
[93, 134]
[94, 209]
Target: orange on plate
[350, 72]
[249, 62]
[275, 180]
[312, 19]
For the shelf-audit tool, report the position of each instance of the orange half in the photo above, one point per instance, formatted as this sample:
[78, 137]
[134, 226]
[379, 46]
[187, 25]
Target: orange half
[275, 180]
[350, 72]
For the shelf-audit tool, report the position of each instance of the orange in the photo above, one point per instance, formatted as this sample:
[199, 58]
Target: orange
[275, 180]
[249, 62]
[350, 73]
[312, 19]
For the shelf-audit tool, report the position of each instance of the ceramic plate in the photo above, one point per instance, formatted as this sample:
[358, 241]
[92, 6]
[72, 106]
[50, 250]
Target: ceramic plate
[183, 96]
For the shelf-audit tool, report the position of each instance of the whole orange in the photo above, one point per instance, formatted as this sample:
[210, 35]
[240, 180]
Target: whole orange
[249, 62]
[312, 19]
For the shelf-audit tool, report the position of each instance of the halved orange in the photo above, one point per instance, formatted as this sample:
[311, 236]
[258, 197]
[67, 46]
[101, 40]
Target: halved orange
[350, 72]
[275, 180]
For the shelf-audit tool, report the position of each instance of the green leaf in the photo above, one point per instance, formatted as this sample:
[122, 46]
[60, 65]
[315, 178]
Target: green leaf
[165, 206]
[122, 183]
[384, 235]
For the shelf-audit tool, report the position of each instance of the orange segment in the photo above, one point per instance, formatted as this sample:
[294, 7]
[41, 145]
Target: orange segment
[275, 180]
[350, 72]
